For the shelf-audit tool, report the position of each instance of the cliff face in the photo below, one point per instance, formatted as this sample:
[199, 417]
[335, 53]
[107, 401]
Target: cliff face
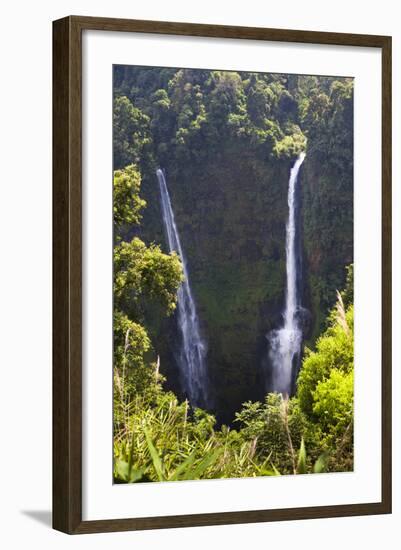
[229, 196]
[231, 214]
[327, 235]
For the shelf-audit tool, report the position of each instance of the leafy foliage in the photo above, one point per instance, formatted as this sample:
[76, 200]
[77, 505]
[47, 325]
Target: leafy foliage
[142, 270]
[326, 385]
[226, 140]
[127, 204]
[130, 133]
[209, 128]
[141, 273]
[159, 439]
[334, 350]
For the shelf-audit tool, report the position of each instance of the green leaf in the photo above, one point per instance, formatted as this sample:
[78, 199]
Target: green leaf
[135, 475]
[131, 451]
[276, 472]
[185, 465]
[209, 459]
[125, 473]
[157, 463]
[272, 472]
[320, 464]
[301, 468]
[121, 469]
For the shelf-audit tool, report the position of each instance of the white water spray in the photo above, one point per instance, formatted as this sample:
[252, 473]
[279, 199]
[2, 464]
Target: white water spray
[192, 355]
[285, 343]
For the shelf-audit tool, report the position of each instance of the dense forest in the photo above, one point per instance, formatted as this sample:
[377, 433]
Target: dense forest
[227, 141]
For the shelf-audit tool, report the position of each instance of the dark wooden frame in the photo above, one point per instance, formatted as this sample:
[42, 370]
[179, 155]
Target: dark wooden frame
[67, 279]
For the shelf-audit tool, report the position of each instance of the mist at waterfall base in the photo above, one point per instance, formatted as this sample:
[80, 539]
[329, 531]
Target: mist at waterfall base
[191, 356]
[286, 342]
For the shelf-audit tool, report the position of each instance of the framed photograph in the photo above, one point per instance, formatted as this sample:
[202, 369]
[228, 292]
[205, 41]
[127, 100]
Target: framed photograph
[222, 274]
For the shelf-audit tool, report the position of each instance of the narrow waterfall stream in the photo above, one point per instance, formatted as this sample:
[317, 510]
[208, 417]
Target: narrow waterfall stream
[192, 353]
[286, 342]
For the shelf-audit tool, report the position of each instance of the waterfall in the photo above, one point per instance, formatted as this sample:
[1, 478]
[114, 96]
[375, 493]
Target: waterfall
[192, 354]
[286, 342]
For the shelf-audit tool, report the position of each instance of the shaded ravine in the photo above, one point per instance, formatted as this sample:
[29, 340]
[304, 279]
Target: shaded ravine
[191, 357]
[286, 342]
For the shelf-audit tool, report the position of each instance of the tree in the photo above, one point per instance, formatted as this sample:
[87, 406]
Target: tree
[131, 343]
[260, 101]
[127, 204]
[140, 273]
[325, 386]
[277, 426]
[334, 350]
[145, 272]
[225, 98]
[130, 132]
[333, 400]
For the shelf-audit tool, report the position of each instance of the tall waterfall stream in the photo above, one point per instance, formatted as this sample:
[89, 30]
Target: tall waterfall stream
[286, 342]
[192, 354]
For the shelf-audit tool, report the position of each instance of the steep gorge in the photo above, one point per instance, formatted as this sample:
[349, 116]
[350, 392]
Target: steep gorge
[229, 195]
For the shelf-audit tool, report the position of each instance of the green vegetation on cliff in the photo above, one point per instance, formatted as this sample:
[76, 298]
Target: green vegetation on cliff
[158, 438]
[226, 141]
